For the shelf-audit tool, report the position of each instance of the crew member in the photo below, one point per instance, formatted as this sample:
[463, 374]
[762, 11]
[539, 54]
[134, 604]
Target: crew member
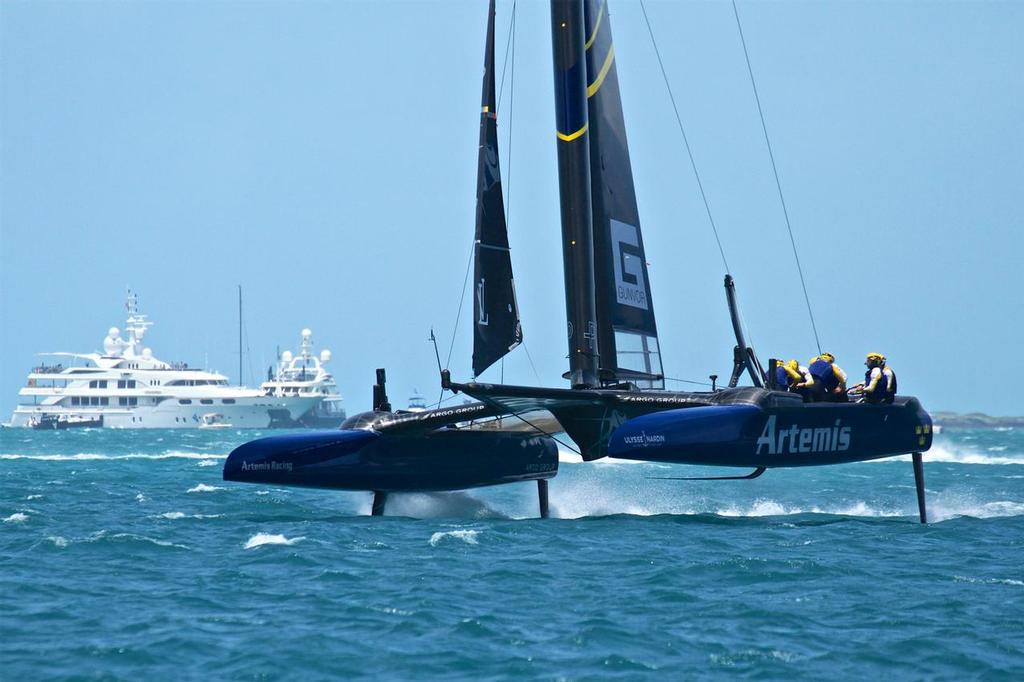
[830, 376]
[890, 385]
[875, 388]
[800, 380]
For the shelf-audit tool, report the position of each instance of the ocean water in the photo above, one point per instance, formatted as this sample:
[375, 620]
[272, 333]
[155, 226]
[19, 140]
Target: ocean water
[123, 555]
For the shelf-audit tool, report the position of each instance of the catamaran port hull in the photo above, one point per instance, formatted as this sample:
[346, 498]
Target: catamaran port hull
[771, 436]
[446, 459]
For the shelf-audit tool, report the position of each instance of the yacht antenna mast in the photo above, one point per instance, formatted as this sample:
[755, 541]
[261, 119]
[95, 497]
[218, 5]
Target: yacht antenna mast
[239, 334]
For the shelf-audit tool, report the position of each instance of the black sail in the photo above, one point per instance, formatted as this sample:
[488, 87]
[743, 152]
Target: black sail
[496, 314]
[570, 73]
[627, 331]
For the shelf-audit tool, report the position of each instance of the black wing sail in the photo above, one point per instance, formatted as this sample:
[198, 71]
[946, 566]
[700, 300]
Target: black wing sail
[496, 314]
[627, 332]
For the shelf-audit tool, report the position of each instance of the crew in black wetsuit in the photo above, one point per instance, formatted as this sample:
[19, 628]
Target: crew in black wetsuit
[829, 378]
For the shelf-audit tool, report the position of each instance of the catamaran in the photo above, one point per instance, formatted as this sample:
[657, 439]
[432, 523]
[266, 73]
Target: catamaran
[616, 404]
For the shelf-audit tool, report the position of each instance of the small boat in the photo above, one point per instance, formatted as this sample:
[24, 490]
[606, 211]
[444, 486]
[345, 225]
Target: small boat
[213, 420]
[55, 422]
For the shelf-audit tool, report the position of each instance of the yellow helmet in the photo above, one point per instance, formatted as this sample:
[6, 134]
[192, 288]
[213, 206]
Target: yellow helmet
[876, 358]
[793, 365]
[827, 357]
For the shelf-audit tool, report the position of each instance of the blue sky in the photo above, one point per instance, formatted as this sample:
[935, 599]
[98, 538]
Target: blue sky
[323, 156]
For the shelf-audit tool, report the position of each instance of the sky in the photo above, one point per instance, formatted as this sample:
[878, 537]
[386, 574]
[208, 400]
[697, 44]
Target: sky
[322, 155]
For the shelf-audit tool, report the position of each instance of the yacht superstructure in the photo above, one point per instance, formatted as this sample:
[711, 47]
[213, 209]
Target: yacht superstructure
[126, 386]
[305, 374]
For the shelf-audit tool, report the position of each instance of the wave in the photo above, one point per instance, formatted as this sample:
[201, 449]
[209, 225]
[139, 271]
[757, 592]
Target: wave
[988, 581]
[181, 515]
[209, 463]
[203, 488]
[261, 539]
[16, 517]
[96, 456]
[942, 452]
[467, 536]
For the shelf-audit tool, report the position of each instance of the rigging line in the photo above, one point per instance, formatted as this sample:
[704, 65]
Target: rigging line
[508, 44]
[453, 396]
[462, 299]
[778, 184]
[688, 381]
[542, 431]
[532, 366]
[686, 141]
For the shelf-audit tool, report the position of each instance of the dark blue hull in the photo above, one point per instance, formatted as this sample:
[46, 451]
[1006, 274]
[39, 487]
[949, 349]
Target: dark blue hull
[775, 435]
[447, 459]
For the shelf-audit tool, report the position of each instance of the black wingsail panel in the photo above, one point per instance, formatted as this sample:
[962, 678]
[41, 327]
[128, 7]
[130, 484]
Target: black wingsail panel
[496, 314]
[627, 332]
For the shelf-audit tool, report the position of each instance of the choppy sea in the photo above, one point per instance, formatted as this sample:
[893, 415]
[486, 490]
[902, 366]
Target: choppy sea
[123, 555]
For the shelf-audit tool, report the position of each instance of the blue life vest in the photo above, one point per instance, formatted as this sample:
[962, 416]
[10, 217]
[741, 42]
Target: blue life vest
[781, 377]
[821, 370]
[881, 388]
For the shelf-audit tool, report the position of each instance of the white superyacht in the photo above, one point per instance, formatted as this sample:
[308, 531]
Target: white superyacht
[127, 387]
[307, 374]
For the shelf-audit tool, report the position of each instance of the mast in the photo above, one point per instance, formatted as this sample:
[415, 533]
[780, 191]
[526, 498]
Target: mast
[571, 121]
[239, 334]
[497, 329]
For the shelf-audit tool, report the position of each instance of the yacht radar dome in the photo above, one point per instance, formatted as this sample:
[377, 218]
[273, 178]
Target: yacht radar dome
[325, 356]
[286, 356]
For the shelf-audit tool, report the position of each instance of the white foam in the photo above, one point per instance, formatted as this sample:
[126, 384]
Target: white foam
[182, 515]
[950, 505]
[988, 581]
[208, 463]
[16, 517]
[140, 498]
[144, 538]
[467, 536]
[58, 541]
[203, 488]
[261, 539]
[436, 505]
[941, 452]
[94, 456]
[33, 497]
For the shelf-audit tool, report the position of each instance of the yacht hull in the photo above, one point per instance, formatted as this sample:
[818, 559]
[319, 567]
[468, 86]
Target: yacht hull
[244, 413]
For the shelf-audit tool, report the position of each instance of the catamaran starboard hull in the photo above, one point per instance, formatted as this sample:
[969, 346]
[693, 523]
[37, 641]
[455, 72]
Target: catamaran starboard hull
[774, 436]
